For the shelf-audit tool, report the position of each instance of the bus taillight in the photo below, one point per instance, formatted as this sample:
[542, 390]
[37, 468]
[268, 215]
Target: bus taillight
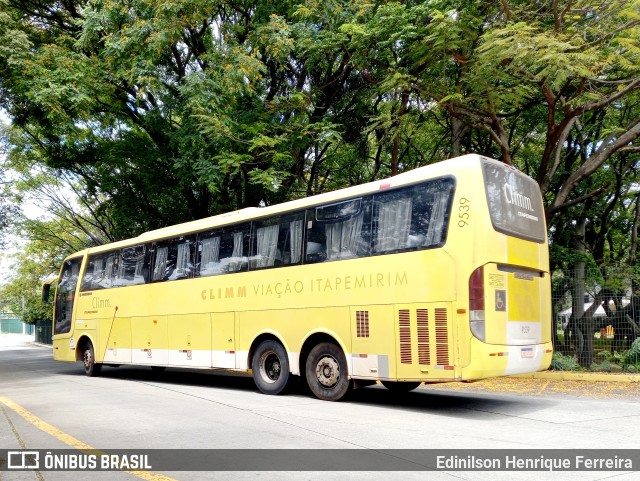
[476, 303]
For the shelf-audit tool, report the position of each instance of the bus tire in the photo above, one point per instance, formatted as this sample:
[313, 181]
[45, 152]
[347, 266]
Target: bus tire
[327, 372]
[270, 366]
[91, 367]
[400, 386]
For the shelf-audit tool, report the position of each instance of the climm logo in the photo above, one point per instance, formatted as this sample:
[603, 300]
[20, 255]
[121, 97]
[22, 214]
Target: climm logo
[98, 303]
[514, 197]
[226, 293]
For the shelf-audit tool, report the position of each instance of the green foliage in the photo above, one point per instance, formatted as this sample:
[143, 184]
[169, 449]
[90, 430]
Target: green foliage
[631, 359]
[35, 310]
[22, 294]
[562, 362]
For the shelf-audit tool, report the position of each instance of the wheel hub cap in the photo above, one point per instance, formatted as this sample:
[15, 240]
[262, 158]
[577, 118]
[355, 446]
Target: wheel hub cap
[271, 367]
[327, 371]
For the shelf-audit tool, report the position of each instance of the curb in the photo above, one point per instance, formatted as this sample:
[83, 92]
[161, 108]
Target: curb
[581, 376]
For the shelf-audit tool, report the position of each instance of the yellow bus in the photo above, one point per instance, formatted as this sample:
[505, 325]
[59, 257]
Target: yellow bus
[437, 274]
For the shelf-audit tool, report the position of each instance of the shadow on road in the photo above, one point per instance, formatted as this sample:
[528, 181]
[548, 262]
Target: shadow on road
[474, 405]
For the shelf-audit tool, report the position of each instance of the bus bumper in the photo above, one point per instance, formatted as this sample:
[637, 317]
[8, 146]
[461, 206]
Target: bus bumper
[492, 360]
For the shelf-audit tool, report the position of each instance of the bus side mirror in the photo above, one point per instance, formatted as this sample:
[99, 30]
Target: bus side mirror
[46, 290]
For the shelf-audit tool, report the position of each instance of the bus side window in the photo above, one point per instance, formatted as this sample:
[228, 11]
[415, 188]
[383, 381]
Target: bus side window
[223, 251]
[90, 273]
[131, 263]
[234, 249]
[278, 241]
[208, 251]
[436, 200]
[392, 221]
[173, 259]
[412, 218]
[339, 231]
[100, 271]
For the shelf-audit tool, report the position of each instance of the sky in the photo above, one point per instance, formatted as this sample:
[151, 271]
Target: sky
[31, 208]
[13, 243]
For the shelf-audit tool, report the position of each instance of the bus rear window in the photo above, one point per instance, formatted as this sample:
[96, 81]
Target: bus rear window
[515, 204]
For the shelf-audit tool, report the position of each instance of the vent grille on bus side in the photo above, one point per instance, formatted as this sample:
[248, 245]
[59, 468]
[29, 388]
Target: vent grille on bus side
[404, 323]
[432, 338]
[442, 337]
[362, 323]
[424, 354]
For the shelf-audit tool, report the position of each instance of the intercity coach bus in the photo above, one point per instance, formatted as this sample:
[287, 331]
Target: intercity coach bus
[437, 274]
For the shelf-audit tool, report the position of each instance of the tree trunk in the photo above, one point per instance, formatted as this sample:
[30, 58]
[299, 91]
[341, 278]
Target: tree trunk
[584, 332]
[458, 129]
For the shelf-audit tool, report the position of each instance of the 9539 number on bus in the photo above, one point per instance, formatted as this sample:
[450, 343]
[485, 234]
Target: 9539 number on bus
[464, 209]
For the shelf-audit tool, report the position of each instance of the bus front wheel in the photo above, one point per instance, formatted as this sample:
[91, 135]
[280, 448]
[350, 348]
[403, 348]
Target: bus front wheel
[270, 366]
[91, 367]
[400, 386]
[327, 373]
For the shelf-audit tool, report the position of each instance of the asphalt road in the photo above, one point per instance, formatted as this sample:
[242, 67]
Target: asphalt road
[50, 405]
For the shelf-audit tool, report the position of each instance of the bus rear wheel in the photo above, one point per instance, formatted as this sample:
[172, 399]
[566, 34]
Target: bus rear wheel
[270, 366]
[400, 386]
[327, 372]
[91, 367]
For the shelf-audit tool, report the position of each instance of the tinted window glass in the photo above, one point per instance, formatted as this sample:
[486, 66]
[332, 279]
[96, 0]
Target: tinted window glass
[515, 203]
[129, 267]
[412, 218]
[338, 231]
[124, 267]
[100, 272]
[222, 251]
[278, 241]
[173, 259]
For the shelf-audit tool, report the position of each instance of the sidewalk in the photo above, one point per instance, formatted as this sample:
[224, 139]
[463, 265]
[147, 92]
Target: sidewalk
[9, 340]
[581, 376]
[551, 386]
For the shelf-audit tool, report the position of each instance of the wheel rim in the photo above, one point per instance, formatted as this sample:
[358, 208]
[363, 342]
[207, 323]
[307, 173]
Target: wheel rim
[270, 367]
[87, 359]
[328, 371]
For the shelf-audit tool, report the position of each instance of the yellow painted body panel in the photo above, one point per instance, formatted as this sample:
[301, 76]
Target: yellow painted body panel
[118, 341]
[223, 331]
[149, 336]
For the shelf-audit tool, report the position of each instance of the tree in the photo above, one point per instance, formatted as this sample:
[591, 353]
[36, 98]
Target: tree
[22, 294]
[8, 210]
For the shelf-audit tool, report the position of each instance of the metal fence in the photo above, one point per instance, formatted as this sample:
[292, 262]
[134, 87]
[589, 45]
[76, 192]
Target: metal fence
[15, 326]
[43, 332]
[603, 303]
[10, 324]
